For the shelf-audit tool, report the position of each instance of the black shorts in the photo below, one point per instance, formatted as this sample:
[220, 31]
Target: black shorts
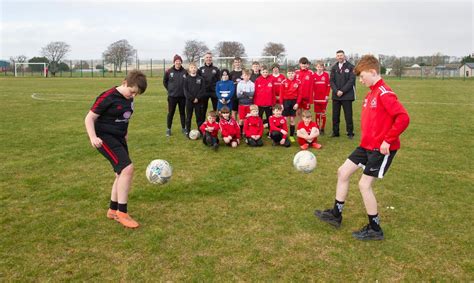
[288, 108]
[373, 162]
[115, 149]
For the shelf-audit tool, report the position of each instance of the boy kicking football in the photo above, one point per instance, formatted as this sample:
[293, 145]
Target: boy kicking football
[107, 127]
[383, 120]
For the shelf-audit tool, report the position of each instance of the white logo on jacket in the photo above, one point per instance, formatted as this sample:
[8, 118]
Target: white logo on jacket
[373, 103]
[171, 74]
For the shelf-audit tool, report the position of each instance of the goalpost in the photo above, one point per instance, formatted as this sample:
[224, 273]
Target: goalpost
[44, 70]
[227, 62]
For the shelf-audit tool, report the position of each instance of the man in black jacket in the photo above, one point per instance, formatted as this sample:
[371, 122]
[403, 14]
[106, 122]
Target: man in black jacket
[343, 93]
[173, 82]
[211, 75]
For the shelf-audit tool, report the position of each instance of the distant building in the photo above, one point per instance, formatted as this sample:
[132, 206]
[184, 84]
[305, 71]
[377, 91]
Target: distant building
[4, 65]
[466, 70]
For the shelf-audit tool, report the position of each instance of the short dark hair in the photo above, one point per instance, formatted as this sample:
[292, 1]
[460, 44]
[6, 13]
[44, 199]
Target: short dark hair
[225, 109]
[237, 58]
[225, 71]
[304, 60]
[291, 69]
[340, 51]
[277, 107]
[138, 79]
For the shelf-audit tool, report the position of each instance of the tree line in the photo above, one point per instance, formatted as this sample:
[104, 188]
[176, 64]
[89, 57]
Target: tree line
[122, 52]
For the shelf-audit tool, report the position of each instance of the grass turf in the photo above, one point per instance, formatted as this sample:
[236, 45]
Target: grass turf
[239, 214]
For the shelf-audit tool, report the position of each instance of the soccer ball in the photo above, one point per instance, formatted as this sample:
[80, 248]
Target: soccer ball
[194, 134]
[304, 161]
[159, 171]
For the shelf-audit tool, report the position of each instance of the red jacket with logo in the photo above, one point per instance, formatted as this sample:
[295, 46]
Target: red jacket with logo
[321, 87]
[253, 125]
[264, 91]
[383, 118]
[306, 79]
[290, 89]
[214, 125]
[278, 124]
[229, 128]
[276, 85]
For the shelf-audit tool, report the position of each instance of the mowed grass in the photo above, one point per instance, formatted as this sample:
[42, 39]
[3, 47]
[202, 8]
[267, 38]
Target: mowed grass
[239, 214]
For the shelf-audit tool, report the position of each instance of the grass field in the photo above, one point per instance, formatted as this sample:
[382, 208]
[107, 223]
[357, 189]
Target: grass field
[240, 215]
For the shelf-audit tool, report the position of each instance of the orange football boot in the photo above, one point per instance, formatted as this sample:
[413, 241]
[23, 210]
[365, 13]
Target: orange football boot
[111, 214]
[316, 145]
[304, 146]
[126, 220]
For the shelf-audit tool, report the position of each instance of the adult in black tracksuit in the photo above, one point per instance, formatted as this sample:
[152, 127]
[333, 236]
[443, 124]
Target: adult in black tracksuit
[211, 75]
[342, 81]
[194, 90]
[173, 82]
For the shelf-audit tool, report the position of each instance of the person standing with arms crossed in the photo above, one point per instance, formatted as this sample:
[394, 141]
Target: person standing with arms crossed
[343, 93]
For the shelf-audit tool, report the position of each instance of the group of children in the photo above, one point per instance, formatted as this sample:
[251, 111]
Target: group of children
[383, 120]
[244, 96]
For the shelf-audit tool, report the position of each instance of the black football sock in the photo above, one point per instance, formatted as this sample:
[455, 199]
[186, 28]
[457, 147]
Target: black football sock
[292, 130]
[113, 205]
[338, 206]
[374, 222]
[122, 207]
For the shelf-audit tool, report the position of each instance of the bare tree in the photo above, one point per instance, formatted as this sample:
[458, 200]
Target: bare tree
[230, 49]
[18, 59]
[118, 53]
[274, 49]
[397, 67]
[194, 49]
[55, 51]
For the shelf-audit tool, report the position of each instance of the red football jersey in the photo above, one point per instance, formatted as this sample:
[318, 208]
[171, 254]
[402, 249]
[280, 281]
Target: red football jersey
[214, 125]
[306, 79]
[290, 89]
[253, 125]
[383, 118]
[321, 87]
[229, 128]
[278, 124]
[264, 91]
[276, 85]
[308, 128]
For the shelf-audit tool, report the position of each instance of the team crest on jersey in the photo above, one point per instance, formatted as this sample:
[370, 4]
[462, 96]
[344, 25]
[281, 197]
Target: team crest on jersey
[127, 115]
[282, 121]
[119, 107]
[286, 85]
[307, 78]
[270, 85]
[213, 71]
[346, 70]
[198, 81]
[373, 103]
[184, 75]
[171, 74]
[295, 85]
[323, 78]
[203, 71]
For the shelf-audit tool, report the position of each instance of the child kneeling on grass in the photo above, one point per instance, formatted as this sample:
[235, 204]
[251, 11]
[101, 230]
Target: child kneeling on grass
[230, 130]
[383, 120]
[210, 130]
[107, 127]
[253, 127]
[307, 132]
[279, 127]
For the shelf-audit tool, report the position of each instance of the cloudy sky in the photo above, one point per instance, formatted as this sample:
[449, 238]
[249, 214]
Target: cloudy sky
[316, 29]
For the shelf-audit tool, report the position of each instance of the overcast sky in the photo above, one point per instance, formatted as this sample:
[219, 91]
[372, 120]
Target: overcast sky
[316, 29]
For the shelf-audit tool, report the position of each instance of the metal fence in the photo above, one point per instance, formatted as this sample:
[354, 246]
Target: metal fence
[157, 68]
